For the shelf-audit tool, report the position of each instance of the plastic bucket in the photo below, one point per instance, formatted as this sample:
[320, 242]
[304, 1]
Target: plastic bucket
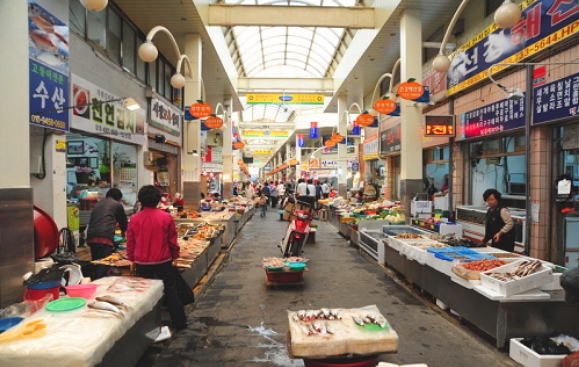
[36, 294]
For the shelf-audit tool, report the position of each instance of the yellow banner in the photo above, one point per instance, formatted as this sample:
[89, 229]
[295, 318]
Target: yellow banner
[262, 152]
[273, 134]
[274, 98]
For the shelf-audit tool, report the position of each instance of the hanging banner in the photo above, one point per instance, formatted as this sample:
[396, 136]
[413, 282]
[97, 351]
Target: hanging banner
[295, 98]
[356, 129]
[301, 141]
[543, 24]
[313, 130]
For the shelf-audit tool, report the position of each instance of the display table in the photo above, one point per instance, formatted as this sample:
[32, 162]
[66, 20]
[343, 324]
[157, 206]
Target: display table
[201, 265]
[346, 337]
[502, 319]
[74, 340]
[228, 219]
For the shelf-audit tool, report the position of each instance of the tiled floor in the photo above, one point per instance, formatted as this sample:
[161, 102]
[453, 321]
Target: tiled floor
[238, 321]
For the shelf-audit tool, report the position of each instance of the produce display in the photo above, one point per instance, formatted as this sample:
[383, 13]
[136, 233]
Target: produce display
[330, 332]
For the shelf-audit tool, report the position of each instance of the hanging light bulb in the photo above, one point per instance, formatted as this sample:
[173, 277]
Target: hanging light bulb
[441, 63]
[178, 81]
[148, 52]
[507, 15]
[94, 5]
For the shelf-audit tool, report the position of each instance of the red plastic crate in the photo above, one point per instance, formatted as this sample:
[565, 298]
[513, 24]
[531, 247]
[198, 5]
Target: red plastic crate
[284, 276]
[369, 361]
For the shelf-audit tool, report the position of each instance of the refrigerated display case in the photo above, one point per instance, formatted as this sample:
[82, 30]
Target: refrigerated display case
[472, 219]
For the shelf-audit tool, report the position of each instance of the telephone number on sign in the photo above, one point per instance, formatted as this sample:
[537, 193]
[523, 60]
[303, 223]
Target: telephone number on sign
[48, 121]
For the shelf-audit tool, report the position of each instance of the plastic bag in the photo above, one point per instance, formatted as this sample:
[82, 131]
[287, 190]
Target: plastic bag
[569, 341]
[26, 308]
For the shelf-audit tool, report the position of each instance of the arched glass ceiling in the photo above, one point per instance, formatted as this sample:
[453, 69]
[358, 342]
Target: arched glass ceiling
[287, 52]
[267, 113]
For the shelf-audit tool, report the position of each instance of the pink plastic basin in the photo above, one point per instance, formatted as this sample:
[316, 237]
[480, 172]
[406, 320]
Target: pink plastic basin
[81, 290]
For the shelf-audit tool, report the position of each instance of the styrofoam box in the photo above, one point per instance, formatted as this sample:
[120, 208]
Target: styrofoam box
[554, 284]
[529, 358]
[532, 281]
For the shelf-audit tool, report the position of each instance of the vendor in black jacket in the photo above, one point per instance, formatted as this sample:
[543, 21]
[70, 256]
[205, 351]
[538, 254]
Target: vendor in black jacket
[499, 224]
[101, 229]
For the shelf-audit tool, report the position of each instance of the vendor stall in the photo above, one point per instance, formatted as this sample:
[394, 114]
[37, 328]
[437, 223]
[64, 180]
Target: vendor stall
[531, 306]
[80, 336]
[339, 335]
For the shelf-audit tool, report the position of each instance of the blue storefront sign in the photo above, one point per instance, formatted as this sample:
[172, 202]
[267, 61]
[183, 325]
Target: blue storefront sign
[48, 68]
[543, 24]
[556, 100]
[496, 117]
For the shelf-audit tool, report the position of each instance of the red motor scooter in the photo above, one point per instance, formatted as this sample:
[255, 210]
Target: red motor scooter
[298, 230]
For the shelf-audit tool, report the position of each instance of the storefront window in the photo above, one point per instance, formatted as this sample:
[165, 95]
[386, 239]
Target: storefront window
[501, 164]
[100, 163]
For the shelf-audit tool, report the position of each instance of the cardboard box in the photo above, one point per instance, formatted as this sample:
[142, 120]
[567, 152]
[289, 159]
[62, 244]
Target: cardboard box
[529, 358]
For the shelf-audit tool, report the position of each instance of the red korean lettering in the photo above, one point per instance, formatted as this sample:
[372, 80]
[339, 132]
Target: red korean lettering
[558, 14]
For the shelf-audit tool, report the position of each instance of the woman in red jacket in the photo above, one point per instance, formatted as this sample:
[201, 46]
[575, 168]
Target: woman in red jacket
[152, 247]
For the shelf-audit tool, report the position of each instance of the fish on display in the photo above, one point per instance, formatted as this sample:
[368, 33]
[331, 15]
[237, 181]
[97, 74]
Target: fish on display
[329, 328]
[104, 306]
[301, 314]
[326, 313]
[358, 320]
[114, 301]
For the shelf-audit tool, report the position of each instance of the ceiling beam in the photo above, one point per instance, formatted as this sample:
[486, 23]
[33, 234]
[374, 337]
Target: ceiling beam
[229, 15]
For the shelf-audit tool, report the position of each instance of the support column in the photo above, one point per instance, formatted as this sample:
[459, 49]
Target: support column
[16, 196]
[411, 115]
[193, 87]
[227, 153]
[342, 148]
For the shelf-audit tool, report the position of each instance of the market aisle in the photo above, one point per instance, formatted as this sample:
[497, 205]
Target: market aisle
[238, 321]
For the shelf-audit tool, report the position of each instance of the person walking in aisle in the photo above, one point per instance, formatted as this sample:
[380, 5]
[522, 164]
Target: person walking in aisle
[325, 189]
[101, 228]
[499, 224]
[262, 203]
[152, 248]
[273, 194]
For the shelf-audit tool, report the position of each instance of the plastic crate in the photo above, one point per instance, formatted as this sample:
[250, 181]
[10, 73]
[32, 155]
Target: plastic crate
[284, 276]
[537, 279]
[529, 358]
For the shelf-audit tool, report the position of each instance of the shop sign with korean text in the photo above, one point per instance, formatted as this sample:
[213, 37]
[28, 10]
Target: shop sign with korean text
[390, 140]
[48, 66]
[494, 118]
[543, 24]
[111, 119]
[371, 148]
[556, 100]
[294, 98]
[165, 117]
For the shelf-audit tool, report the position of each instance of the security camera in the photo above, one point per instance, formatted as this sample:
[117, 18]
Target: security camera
[516, 95]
